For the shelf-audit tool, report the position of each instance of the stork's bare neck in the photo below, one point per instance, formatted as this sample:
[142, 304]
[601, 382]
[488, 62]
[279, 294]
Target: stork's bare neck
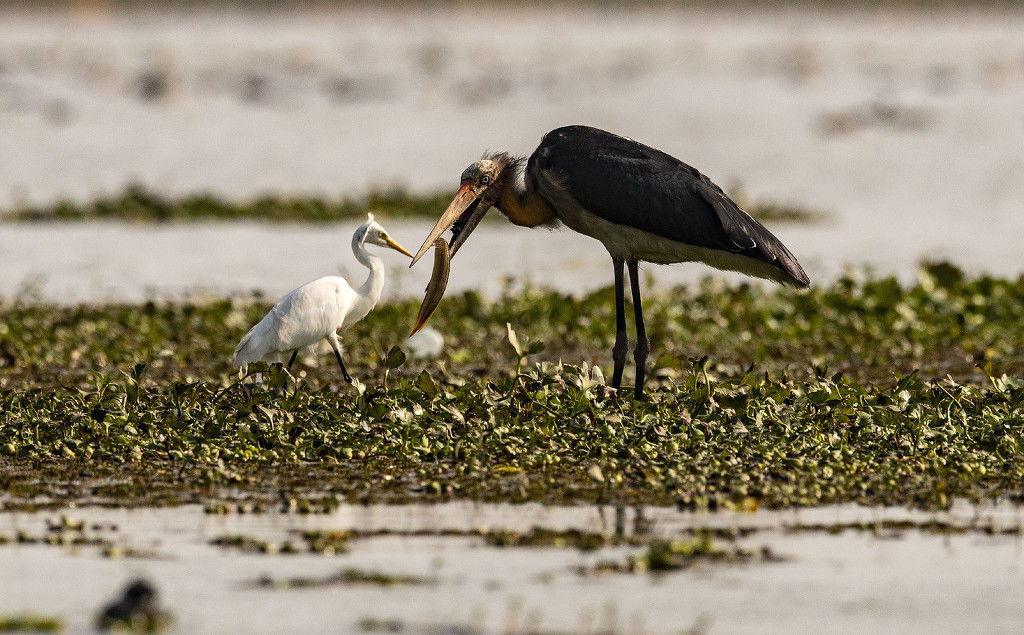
[519, 202]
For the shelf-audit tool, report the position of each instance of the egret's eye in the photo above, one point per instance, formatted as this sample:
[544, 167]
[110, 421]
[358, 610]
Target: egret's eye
[484, 180]
[381, 234]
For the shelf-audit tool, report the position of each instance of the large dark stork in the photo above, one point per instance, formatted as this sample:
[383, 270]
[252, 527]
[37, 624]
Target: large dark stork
[640, 202]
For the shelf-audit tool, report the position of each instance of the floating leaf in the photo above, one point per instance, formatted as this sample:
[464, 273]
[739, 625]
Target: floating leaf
[395, 358]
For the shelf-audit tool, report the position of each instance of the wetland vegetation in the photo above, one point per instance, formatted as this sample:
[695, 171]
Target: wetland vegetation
[862, 390]
[141, 205]
[30, 623]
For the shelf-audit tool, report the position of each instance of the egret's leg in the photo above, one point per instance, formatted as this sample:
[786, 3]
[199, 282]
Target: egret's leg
[292, 360]
[643, 345]
[333, 339]
[621, 339]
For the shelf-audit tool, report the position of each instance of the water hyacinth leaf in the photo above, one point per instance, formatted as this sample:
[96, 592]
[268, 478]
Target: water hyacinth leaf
[277, 376]
[395, 358]
[535, 347]
[942, 275]
[426, 383]
[832, 412]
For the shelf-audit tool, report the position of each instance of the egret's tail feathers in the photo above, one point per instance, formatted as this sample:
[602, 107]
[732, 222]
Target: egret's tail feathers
[246, 351]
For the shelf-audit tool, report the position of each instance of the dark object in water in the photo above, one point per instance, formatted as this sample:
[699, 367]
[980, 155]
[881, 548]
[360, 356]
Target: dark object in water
[136, 610]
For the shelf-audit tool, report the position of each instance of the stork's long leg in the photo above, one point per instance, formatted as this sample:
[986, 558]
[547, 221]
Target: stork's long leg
[621, 338]
[643, 345]
[333, 339]
[292, 360]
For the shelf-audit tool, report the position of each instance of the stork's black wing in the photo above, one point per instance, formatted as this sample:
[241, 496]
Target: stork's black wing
[631, 184]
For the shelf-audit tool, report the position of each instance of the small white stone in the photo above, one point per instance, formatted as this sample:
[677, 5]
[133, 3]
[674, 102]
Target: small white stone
[426, 343]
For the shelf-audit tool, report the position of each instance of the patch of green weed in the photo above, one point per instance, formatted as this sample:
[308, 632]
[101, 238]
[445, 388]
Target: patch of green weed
[30, 623]
[139, 204]
[863, 390]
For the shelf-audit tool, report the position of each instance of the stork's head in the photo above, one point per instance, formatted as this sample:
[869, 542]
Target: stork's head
[480, 188]
[372, 233]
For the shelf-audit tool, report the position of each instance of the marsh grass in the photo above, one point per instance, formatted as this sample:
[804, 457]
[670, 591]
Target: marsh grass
[663, 556]
[141, 205]
[30, 623]
[350, 576]
[863, 390]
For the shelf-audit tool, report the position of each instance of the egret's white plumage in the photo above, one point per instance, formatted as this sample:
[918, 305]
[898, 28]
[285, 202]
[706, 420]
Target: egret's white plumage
[318, 309]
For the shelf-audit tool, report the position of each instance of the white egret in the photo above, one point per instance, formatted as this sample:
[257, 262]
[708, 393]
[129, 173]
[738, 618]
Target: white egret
[318, 309]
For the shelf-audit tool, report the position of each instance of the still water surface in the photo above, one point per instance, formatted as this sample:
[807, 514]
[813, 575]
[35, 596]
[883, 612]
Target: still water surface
[852, 581]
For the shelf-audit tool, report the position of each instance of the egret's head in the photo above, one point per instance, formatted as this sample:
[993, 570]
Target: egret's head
[372, 233]
[480, 187]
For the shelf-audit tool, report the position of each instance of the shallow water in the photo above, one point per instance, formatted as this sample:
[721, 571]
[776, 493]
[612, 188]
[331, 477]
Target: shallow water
[117, 262]
[850, 581]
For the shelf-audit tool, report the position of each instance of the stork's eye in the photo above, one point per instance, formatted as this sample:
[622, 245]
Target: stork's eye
[485, 179]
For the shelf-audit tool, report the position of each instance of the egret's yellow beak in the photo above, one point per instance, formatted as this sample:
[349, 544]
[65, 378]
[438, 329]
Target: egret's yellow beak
[394, 245]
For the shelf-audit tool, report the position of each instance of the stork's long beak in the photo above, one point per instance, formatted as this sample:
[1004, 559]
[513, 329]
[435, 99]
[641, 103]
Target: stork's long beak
[437, 285]
[463, 201]
[394, 245]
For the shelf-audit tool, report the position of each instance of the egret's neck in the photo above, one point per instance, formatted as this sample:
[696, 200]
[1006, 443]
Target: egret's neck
[520, 202]
[374, 284]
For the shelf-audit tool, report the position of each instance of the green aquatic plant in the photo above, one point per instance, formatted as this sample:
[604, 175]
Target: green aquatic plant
[870, 329]
[141, 205]
[248, 544]
[349, 576]
[864, 390]
[667, 555]
[30, 623]
[541, 537]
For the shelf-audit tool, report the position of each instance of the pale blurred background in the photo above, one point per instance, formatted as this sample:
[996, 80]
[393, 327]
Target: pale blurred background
[903, 125]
